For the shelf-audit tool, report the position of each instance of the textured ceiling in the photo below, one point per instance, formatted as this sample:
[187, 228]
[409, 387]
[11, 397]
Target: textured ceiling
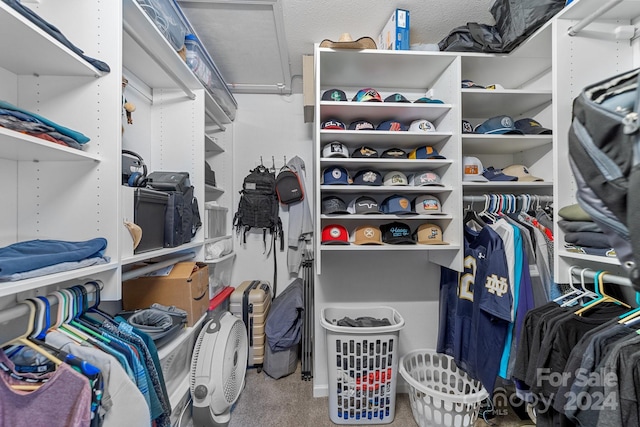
[252, 41]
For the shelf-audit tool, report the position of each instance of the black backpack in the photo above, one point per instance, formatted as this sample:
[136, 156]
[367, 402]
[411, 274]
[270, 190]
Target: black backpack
[604, 154]
[288, 186]
[259, 206]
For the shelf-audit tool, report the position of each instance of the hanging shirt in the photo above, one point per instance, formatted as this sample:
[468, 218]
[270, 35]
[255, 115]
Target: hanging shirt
[63, 401]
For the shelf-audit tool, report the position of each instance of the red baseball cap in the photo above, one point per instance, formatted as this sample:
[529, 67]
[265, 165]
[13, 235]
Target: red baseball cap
[335, 234]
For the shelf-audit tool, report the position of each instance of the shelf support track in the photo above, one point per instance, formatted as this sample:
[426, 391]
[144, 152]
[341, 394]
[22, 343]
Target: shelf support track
[575, 29]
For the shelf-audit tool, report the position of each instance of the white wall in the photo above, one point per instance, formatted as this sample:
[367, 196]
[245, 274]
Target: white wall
[273, 125]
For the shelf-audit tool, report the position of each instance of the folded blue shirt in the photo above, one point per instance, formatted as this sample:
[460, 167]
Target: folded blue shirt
[33, 254]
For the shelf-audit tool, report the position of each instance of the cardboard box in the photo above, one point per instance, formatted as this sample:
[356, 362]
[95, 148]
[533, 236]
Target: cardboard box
[183, 287]
[395, 34]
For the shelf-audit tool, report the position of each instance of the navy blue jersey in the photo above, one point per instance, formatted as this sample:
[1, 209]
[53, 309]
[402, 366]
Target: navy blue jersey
[475, 307]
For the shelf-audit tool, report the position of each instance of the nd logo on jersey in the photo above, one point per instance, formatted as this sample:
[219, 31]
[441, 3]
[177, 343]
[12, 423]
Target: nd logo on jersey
[497, 285]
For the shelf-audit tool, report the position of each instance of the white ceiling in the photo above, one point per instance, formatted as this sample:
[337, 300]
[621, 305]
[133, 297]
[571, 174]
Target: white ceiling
[258, 45]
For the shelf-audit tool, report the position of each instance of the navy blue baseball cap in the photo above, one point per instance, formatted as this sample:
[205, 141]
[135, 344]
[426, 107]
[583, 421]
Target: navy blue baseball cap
[493, 174]
[531, 127]
[361, 125]
[467, 127]
[394, 153]
[392, 125]
[335, 175]
[334, 95]
[469, 84]
[396, 97]
[366, 152]
[396, 204]
[397, 233]
[498, 125]
[367, 177]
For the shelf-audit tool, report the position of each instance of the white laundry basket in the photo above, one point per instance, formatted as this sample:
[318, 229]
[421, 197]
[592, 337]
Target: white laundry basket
[362, 365]
[441, 394]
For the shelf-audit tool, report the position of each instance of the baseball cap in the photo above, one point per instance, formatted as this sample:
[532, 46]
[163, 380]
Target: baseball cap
[469, 84]
[427, 204]
[335, 234]
[467, 127]
[391, 125]
[361, 125]
[425, 100]
[422, 125]
[429, 234]
[367, 177]
[531, 127]
[394, 153]
[366, 235]
[472, 169]
[335, 175]
[367, 95]
[425, 152]
[396, 233]
[395, 178]
[334, 95]
[493, 174]
[363, 205]
[333, 124]
[498, 125]
[364, 152]
[396, 97]
[521, 172]
[396, 204]
[494, 86]
[335, 149]
[333, 205]
[421, 179]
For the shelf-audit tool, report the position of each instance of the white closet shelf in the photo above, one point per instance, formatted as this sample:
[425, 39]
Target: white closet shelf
[21, 147]
[10, 288]
[379, 111]
[390, 164]
[217, 239]
[482, 103]
[211, 145]
[385, 217]
[221, 259]
[502, 144]
[512, 185]
[212, 190]
[30, 50]
[591, 258]
[380, 69]
[387, 247]
[400, 189]
[160, 252]
[386, 138]
[155, 63]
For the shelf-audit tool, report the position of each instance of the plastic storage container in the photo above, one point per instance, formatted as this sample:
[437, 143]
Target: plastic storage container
[362, 363]
[175, 357]
[203, 67]
[216, 221]
[441, 393]
[220, 274]
[168, 18]
[150, 207]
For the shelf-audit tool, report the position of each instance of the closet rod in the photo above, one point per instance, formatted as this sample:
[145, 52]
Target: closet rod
[607, 277]
[137, 272]
[473, 199]
[575, 29]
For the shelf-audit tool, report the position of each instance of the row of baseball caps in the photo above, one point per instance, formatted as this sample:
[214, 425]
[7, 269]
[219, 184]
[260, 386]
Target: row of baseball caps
[338, 149]
[394, 233]
[337, 175]
[497, 125]
[424, 204]
[371, 95]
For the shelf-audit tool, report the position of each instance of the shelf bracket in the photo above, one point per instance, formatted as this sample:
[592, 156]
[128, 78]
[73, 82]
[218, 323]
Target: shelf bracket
[575, 29]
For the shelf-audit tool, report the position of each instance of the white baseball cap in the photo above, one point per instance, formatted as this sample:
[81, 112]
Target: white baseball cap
[472, 169]
[335, 149]
[395, 178]
[421, 125]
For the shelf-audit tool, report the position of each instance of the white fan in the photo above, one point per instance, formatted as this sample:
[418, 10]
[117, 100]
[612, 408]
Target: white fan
[218, 367]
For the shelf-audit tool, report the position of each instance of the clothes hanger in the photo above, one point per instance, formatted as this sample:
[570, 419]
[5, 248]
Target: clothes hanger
[603, 297]
[583, 293]
[574, 291]
[632, 315]
[471, 216]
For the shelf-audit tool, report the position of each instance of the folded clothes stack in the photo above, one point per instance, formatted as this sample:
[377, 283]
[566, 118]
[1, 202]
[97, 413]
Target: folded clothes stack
[582, 234]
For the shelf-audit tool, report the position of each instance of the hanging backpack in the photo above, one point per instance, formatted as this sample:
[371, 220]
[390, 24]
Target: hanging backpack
[258, 206]
[604, 154]
[288, 186]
